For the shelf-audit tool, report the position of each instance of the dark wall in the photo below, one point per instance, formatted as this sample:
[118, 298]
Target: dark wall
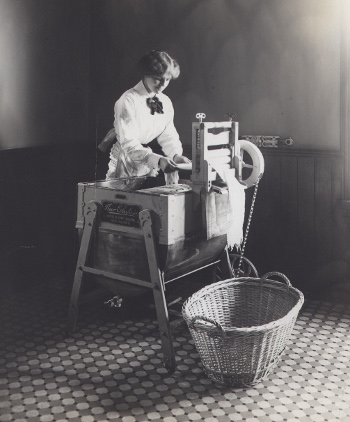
[38, 202]
[276, 64]
[44, 72]
[44, 81]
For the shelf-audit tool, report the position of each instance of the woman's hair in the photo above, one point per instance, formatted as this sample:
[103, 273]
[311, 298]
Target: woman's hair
[156, 63]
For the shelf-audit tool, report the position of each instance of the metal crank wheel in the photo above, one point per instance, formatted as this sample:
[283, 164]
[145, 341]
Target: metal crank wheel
[249, 157]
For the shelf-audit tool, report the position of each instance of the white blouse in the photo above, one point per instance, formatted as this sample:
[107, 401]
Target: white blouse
[135, 127]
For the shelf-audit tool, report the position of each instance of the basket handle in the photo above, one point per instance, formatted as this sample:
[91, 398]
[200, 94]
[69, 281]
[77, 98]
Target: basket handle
[274, 274]
[200, 319]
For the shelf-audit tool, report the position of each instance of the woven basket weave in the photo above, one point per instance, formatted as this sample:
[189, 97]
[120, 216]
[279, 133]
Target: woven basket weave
[240, 326]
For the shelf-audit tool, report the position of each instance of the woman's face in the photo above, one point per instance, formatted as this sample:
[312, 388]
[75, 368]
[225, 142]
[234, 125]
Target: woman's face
[157, 84]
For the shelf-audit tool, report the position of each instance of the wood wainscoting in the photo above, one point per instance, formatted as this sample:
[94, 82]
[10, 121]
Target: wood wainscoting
[297, 226]
[38, 210]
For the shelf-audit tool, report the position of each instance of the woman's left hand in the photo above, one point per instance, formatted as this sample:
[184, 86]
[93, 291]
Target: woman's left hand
[180, 159]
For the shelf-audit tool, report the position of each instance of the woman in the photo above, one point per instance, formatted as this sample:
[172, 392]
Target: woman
[144, 114]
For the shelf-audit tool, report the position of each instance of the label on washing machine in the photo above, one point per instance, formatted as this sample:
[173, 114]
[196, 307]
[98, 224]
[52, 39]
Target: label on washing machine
[122, 214]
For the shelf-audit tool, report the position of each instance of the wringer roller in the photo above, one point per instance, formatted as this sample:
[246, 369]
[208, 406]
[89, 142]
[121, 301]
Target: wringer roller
[137, 235]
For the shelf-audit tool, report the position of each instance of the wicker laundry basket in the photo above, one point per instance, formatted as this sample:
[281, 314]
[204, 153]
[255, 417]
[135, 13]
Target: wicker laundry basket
[240, 326]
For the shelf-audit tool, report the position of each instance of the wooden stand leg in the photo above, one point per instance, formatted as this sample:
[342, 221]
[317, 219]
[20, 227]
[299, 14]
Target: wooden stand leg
[83, 256]
[157, 279]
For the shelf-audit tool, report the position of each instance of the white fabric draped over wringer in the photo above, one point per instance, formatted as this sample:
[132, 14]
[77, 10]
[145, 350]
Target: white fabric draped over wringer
[236, 193]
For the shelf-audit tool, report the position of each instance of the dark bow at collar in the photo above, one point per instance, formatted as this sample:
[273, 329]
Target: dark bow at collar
[155, 105]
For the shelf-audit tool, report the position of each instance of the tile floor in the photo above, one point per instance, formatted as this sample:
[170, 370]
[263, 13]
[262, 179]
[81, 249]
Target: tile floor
[111, 369]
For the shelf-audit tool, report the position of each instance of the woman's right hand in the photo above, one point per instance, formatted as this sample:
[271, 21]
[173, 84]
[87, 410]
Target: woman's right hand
[167, 165]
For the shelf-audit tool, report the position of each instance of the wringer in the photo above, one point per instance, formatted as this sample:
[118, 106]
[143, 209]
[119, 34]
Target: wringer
[137, 235]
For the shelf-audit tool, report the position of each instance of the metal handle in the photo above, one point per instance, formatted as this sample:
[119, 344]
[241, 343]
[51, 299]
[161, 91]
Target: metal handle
[200, 116]
[231, 116]
[239, 272]
[276, 273]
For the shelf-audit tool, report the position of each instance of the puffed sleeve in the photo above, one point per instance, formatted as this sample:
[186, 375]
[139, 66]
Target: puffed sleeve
[169, 139]
[128, 134]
